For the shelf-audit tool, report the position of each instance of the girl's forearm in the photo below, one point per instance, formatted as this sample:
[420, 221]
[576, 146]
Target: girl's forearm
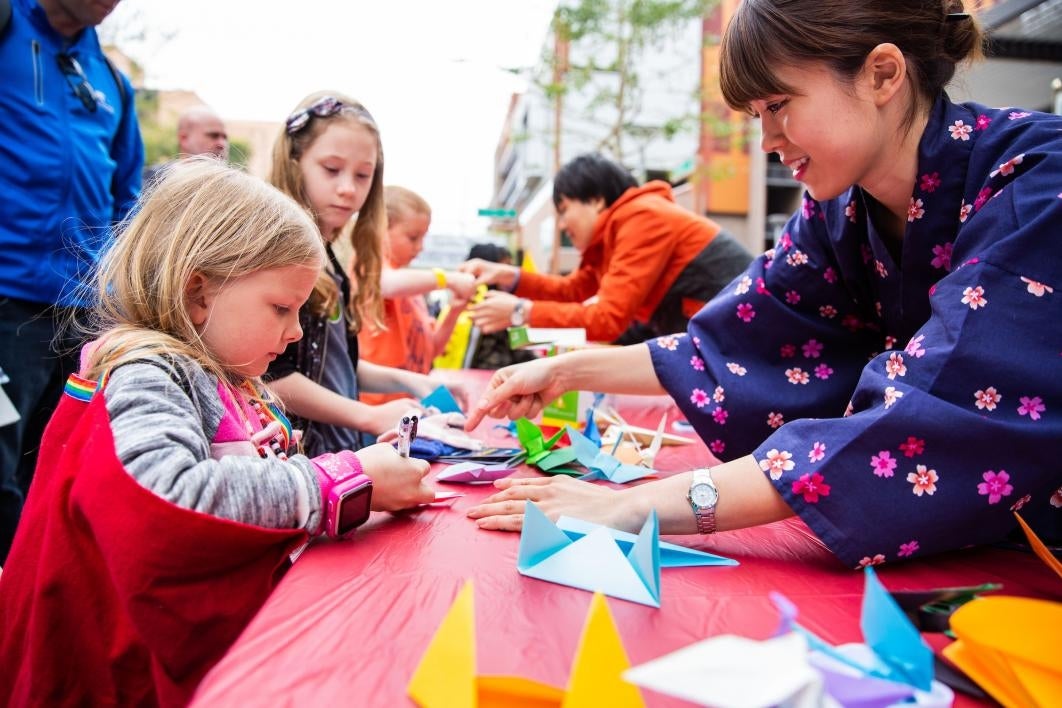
[312, 401]
[373, 378]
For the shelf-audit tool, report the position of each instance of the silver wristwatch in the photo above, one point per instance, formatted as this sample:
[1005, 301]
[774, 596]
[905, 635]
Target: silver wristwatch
[519, 315]
[703, 498]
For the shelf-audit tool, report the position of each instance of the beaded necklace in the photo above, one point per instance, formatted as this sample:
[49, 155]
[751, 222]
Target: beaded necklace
[267, 413]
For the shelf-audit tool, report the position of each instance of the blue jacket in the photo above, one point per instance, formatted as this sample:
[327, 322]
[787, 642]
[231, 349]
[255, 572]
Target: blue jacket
[66, 174]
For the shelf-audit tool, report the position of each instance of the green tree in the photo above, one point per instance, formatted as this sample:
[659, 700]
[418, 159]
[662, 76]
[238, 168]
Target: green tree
[614, 37]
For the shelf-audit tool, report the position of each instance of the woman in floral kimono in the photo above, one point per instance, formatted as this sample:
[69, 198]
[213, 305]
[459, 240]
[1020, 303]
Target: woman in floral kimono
[891, 371]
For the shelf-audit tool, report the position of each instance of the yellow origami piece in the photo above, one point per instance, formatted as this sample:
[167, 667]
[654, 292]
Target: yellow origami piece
[446, 675]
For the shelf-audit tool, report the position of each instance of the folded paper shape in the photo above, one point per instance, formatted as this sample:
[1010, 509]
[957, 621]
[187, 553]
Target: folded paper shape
[671, 555]
[1009, 646]
[804, 669]
[729, 671]
[446, 675]
[644, 436]
[474, 473]
[594, 562]
[533, 441]
[443, 400]
[1042, 552]
[590, 429]
[899, 653]
[601, 464]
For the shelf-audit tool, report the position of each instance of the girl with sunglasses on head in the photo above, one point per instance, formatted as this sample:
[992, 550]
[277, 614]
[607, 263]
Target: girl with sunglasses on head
[169, 493]
[329, 158]
[890, 371]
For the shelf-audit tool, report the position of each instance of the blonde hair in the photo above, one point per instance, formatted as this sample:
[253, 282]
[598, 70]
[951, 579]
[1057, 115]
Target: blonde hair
[202, 218]
[402, 202]
[365, 235]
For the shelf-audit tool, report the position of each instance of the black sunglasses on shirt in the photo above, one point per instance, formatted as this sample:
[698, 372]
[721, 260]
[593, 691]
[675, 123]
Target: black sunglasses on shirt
[75, 75]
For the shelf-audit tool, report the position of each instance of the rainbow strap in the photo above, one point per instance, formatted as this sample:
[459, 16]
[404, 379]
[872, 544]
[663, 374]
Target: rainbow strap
[83, 389]
[271, 411]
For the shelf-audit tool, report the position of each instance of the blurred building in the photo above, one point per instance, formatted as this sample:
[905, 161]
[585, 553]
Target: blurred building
[720, 170]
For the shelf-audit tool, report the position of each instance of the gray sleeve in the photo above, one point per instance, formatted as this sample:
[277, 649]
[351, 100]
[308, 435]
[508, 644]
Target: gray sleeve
[162, 436]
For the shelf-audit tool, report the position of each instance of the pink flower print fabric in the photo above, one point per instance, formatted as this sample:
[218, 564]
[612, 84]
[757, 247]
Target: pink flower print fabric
[901, 397]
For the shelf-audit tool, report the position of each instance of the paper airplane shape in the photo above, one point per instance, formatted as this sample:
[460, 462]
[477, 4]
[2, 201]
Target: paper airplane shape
[446, 676]
[474, 473]
[1009, 646]
[672, 555]
[443, 400]
[601, 464]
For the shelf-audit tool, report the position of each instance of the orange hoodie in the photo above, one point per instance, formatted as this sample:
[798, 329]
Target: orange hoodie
[640, 245]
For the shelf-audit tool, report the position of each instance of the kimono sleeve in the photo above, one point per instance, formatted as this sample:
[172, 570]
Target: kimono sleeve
[948, 437]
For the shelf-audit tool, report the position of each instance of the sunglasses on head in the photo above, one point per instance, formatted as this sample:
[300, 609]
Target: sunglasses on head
[78, 81]
[322, 108]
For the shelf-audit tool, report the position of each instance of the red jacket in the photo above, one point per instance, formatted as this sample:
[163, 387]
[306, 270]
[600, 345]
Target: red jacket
[640, 245]
[112, 595]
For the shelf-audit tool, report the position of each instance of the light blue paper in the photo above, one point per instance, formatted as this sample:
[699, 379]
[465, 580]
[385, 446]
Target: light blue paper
[601, 464]
[442, 399]
[898, 652]
[594, 562]
[671, 555]
[893, 638]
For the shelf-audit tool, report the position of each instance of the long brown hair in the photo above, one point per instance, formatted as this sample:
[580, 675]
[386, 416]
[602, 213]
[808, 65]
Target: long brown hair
[365, 236]
[766, 34]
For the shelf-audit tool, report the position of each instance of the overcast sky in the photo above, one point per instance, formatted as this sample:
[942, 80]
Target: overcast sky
[431, 72]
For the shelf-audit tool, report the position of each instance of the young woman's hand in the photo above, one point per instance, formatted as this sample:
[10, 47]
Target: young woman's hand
[397, 482]
[518, 391]
[495, 312]
[462, 285]
[555, 496]
[488, 273]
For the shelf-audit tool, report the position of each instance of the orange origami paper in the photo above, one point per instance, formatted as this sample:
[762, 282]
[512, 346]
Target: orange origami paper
[446, 675]
[1009, 646]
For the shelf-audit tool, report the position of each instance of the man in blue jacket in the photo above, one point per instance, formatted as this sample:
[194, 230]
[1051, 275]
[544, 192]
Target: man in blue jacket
[70, 163]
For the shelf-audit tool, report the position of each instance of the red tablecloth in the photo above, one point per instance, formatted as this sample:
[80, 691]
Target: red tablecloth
[350, 621]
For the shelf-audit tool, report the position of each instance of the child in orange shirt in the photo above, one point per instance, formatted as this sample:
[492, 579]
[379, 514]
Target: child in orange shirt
[411, 338]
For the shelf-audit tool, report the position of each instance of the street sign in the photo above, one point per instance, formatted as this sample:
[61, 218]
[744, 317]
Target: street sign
[498, 213]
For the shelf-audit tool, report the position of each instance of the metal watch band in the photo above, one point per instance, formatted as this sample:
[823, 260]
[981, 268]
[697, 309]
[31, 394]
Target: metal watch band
[705, 516]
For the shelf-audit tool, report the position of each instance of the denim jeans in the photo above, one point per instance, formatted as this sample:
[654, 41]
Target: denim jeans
[38, 359]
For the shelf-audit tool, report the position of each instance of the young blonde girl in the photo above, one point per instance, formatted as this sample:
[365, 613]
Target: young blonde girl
[329, 158]
[410, 338]
[169, 493]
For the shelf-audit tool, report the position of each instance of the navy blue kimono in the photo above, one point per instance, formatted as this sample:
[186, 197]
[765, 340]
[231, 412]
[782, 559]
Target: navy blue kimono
[901, 407]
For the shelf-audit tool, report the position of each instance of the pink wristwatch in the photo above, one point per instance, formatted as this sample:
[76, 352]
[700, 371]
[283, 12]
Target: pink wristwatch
[346, 493]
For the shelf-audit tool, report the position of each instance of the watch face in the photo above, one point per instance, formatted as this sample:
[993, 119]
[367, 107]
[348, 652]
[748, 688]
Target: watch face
[703, 495]
[353, 509]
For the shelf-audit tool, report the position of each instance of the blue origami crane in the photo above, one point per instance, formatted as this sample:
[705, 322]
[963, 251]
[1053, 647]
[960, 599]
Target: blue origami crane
[899, 651]
[601, 464]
